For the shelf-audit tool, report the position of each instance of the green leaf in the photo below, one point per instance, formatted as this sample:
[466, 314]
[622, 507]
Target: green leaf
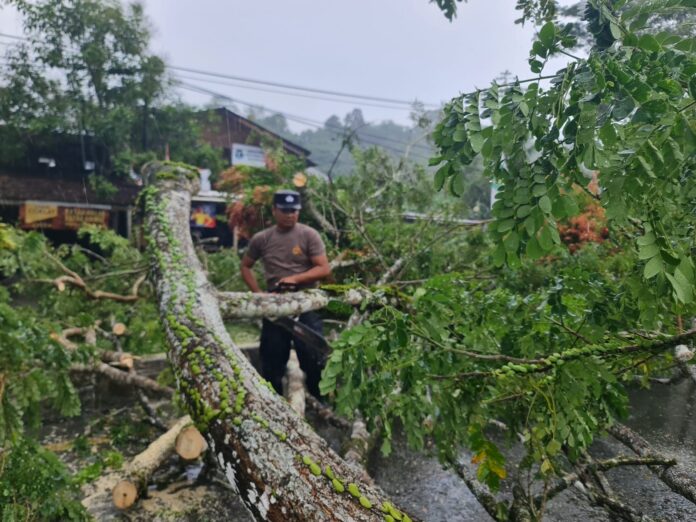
[615, 31]
[533, 249]
[512, 242]
[476, 141]
[530, 225]
[523, 211]
[649, 43]
[545, 204]
[653, 267]
[686, 268]
[692, 87]
[547, 34]
[457, 184]
[648, 251]
[538, 190]
[441, 176]
[682, 289]
[435, 160]
[504, 226]
[553, 447]
[545, 239]
[498, 257]
[647, 239]
[571, 206]
[459, 135]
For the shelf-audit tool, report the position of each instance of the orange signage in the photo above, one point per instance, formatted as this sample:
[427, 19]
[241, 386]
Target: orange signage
[37, 215]
[34, 212]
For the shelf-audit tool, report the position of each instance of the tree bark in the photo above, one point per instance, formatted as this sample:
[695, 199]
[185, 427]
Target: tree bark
[677, 478]
[246, 305]
[282, 470]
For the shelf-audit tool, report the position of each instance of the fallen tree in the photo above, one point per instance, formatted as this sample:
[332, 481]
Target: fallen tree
[281, 469]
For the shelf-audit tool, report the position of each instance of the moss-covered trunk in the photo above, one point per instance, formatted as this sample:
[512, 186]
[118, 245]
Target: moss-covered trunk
[282, 470]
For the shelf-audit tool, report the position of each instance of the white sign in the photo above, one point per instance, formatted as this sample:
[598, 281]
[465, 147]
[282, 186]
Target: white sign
[248, 155]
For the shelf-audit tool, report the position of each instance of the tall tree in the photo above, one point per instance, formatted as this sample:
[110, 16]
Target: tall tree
[85, 69]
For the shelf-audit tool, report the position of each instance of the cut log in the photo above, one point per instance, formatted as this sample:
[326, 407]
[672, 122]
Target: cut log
[190, 444]
[121, 488]
[120, 359]
[118, 329]
[282, 470]
[295, 388]
[141, 468]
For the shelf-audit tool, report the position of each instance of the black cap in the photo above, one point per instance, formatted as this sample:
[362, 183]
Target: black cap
[287, 199]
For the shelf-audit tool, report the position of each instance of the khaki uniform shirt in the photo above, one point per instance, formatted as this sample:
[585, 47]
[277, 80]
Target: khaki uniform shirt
[286, 253]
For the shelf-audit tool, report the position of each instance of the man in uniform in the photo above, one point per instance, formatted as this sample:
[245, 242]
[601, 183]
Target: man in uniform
[293, 255]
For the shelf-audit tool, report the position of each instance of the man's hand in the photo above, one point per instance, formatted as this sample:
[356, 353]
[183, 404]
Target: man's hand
[289, 280]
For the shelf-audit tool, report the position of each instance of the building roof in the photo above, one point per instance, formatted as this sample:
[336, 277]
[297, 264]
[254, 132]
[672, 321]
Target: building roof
[17, 188]
[236, 129]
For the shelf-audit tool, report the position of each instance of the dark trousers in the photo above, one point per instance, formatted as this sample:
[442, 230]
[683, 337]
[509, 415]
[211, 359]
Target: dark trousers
[275, 351]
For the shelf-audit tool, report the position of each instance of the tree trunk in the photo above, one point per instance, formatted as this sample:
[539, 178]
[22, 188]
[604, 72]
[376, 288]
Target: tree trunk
[282, 470]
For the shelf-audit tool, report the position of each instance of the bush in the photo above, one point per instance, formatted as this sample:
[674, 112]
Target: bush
[35, 485]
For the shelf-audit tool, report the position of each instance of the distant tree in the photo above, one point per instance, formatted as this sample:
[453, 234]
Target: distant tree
[85, 69]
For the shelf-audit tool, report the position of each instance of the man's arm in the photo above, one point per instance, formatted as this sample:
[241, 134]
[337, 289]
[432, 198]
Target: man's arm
[320, 270]
[248, 274]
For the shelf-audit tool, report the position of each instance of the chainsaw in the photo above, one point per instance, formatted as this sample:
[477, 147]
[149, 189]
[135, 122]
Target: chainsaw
[311, 339]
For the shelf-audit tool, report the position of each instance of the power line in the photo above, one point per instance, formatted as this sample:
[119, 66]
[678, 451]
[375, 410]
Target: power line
[14, 37]
[277, 84]
[335, 100]
[296, 87]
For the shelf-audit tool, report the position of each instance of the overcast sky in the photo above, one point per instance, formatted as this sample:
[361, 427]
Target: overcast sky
[402, 49]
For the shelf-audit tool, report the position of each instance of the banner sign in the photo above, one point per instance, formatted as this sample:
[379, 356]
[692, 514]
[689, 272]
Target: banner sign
[248, 155]
[203, 215]
[34, 212]
[54, 217]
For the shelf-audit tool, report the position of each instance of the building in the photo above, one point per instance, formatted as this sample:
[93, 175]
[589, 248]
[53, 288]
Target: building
[241, 139]
[52, 187]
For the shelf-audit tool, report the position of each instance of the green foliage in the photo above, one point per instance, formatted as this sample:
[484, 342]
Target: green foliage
[35, 369]
[388, 209]
[625, 111]
[546, 342]
[223, 270]
[32, 312]
[542, 349]
[34, 485]
[91, 472]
